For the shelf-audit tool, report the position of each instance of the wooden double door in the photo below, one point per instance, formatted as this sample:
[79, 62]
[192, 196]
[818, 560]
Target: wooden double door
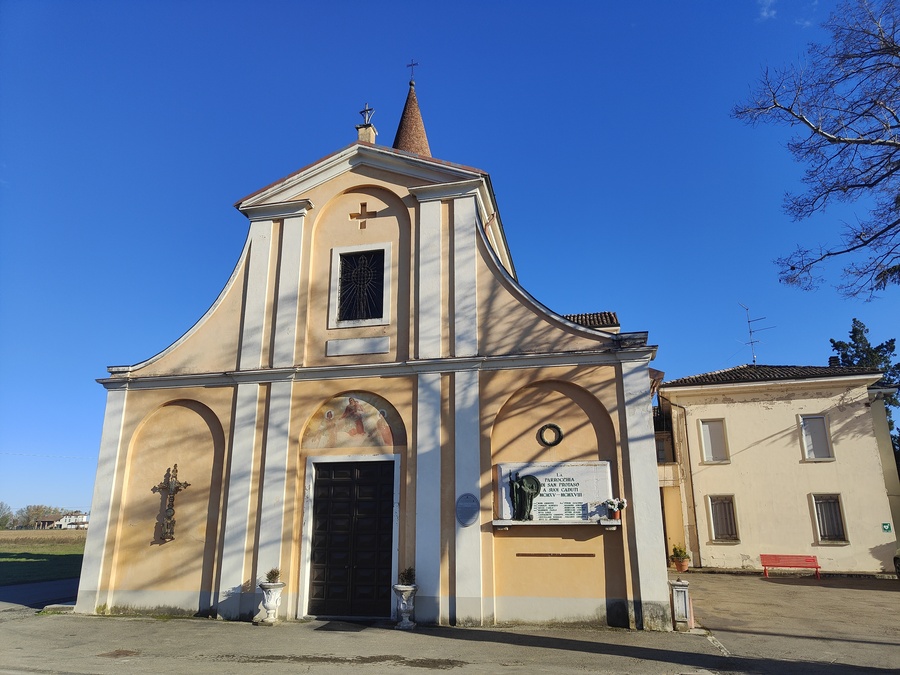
[352, 541]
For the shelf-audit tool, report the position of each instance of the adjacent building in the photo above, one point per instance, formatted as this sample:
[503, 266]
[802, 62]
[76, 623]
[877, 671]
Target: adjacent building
[782, 460]
[73, 521]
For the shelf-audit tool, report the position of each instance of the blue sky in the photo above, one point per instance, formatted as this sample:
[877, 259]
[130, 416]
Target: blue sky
[129, 129]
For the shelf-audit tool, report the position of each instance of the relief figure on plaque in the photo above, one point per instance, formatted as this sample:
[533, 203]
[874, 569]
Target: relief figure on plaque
[522, 491]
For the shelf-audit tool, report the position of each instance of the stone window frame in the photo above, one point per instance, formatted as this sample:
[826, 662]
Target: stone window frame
[815, 499]
[334, 291]
[709, 457]
[714, 535]
[801, 422]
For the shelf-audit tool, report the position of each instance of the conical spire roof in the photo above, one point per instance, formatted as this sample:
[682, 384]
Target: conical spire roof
[411, 130]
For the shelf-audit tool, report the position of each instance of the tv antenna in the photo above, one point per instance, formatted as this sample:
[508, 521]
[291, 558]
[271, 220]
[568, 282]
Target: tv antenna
[753, 330]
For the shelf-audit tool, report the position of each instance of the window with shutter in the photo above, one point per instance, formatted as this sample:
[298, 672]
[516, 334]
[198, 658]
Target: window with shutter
[724, 524]
[714, 446]
[816, 444]
[829, 519]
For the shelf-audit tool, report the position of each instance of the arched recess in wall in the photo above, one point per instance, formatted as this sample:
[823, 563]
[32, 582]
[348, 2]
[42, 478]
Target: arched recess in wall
[345, 208]
[364, 218]
[354, 420]
[149, 571]
[587, 431]
[595, 577]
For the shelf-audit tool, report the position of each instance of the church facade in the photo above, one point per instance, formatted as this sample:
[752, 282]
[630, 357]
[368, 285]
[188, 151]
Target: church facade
[372, 391]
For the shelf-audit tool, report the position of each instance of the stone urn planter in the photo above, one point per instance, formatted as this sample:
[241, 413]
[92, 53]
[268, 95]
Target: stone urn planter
[271, 589]
[405, 590]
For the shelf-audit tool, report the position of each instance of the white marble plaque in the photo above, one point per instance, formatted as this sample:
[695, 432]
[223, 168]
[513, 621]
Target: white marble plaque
[563, 492]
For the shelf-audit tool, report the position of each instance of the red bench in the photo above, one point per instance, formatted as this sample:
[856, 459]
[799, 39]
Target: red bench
[800, 561]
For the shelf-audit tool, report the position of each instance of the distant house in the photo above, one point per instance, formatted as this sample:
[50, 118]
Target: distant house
[73, 521]
[779, 459]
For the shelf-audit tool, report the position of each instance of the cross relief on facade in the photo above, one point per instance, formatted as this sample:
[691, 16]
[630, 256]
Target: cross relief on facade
[362, 215]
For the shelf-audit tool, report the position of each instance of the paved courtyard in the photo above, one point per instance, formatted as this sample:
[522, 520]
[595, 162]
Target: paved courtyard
[754, 625]
[830, 625]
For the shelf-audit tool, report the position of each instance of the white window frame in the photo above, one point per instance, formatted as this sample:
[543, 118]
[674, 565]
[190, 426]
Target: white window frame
[708, 457]
[813, 497]
[334, 291]
[801, 421]
[712, 522]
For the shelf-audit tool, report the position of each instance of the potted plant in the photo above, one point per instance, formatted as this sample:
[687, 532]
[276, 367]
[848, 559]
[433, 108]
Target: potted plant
[271, 589]
[680, 558]
[615, 506]
[405, 590]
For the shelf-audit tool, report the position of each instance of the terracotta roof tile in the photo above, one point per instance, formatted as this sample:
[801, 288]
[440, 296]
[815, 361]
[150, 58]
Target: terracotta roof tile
[594, 319]
[757, 373]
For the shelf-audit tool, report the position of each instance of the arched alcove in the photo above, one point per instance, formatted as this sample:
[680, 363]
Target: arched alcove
[576, 570]
[587, 431]
[354, 444]
[365, 222]
[149, 571]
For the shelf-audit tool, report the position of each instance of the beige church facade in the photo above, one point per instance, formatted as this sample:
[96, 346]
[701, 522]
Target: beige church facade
[373, 390]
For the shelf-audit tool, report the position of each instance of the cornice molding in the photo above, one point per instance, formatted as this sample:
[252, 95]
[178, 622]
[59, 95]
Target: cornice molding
[289, 209]
[462, 188]
[605, 357]
[352, 156]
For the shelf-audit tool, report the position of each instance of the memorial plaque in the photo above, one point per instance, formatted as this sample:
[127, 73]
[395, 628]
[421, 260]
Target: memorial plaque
[467, 508]
[553, 492]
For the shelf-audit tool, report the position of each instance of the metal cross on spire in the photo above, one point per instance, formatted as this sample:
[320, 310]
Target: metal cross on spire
[412, 68]
[367, 113]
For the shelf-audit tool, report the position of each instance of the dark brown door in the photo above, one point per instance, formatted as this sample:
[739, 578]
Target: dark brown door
[352, 542]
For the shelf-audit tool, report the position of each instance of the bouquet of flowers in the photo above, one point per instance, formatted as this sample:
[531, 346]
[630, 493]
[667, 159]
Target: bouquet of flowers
[616, 503]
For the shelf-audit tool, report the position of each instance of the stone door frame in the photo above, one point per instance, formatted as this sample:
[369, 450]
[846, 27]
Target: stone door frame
[307, 524]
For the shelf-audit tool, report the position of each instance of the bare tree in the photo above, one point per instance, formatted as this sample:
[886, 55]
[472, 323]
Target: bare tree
[844, 101]
[6, 516]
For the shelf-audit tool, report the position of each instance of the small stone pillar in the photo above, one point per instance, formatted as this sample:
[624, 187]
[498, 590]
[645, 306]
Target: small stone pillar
[682, 610]
[366, 133]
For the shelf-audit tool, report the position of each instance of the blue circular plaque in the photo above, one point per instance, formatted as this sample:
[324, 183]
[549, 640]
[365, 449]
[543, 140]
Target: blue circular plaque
[467, 508]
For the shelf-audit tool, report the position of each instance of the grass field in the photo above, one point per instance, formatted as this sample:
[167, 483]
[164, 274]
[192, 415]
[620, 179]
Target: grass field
[40, 555]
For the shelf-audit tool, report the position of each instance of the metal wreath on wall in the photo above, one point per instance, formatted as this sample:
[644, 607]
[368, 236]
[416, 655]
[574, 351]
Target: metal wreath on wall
[550, 435]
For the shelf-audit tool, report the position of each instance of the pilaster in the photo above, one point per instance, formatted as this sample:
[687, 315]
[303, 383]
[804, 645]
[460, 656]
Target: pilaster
[429, 303]
[231, 601]
[465, 284]
[91, 585]
[651, 593]
[428, 498]
[287, 302]
[467, 453]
